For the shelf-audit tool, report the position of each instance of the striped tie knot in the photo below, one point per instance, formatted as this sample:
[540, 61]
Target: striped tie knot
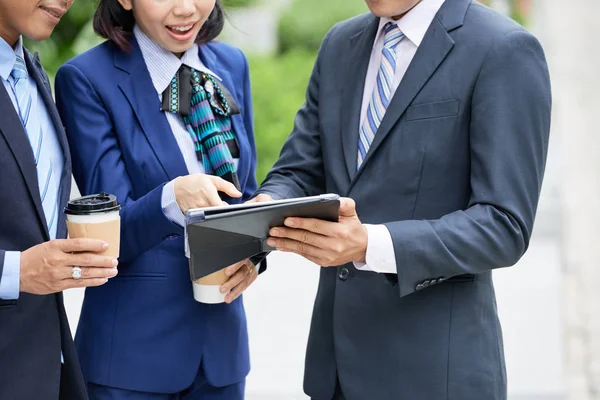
[393, 36]
[19, 70]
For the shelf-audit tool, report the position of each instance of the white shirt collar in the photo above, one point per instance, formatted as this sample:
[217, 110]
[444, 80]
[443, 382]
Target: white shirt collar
[416, 22]
[8, 57]
[162, 64]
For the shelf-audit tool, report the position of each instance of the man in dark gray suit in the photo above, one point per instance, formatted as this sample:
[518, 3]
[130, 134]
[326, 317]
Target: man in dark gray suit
[433, 116]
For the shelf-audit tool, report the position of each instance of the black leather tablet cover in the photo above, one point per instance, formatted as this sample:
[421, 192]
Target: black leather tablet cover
[221, 238]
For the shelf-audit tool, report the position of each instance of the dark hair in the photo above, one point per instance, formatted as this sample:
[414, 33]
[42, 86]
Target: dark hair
[113, 22]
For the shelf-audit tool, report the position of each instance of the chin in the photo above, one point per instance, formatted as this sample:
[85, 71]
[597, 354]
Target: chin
[180, 48]
[39, 35]
[380, 12]
[385, 10]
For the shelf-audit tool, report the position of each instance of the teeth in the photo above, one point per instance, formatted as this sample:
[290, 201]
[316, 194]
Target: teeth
[55, 14]
[182, 28]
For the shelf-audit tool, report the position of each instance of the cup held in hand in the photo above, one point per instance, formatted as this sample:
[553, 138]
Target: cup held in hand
[96, 217]
[208, 289]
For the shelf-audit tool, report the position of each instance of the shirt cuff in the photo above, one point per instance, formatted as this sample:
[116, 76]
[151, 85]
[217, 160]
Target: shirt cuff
[11, 274]
[381, 257]
[170, 207]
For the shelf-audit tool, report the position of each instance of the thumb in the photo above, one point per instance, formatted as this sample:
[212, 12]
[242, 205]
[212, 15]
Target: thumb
[226, 187]
[260, 198]
[347, 207]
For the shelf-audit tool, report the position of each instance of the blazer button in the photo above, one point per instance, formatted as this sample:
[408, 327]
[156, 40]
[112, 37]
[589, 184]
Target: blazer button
[344, 274]
[419, 287]
[426, 283]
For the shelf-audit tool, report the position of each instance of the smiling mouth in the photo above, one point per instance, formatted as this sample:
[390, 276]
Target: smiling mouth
[54, 12]
[181, 29]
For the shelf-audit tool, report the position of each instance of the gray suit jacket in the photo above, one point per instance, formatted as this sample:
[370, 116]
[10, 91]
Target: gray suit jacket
[454, 173]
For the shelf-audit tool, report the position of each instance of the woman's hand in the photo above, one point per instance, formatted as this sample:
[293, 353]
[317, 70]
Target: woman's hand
[241, 275]
[200, 190]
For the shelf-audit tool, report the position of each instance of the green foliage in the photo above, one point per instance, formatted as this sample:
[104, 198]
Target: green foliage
[72, 35]
[278, 82]
[75, 34]
[517, 12]
[518, 9]
[237, 3]
[305, 22]
[278, 91]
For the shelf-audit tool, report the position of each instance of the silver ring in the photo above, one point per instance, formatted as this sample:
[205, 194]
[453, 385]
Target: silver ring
[76, 273]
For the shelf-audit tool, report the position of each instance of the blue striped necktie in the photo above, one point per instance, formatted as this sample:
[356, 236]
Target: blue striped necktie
[382, 93]
[48, 190]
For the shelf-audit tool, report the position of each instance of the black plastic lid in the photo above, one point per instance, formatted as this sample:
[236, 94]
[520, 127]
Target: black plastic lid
[96, 203]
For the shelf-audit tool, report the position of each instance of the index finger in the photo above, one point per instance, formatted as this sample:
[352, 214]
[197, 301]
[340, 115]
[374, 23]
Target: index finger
[82, 245]
[212, 197]
[225, 186]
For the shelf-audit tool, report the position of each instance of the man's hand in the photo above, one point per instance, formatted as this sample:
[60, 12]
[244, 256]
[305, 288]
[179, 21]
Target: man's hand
[261, 198]
[325, 243]
[47, 267]
[242, 275]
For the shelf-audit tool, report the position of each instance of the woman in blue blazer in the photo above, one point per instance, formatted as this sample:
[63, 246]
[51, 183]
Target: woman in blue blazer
[160, 115]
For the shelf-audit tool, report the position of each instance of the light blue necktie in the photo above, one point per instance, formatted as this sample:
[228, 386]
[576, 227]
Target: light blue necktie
[47, 185]
[382, 93]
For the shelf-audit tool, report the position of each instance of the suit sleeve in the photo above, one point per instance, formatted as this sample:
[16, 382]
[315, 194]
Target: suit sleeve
[509, 132]
[98, 164]
[299, 170]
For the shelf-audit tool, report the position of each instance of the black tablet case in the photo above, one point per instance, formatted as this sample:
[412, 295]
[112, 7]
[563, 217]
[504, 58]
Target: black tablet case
[219, 239]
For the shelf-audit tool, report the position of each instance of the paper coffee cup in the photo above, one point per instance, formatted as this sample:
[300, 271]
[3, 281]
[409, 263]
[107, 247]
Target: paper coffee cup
[208, 289]
[96, 217]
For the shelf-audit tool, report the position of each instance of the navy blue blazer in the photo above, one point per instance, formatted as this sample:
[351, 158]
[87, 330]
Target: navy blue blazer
[144, 330]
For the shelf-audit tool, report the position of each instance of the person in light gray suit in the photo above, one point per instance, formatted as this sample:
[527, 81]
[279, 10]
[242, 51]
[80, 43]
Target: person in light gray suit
[433, 116]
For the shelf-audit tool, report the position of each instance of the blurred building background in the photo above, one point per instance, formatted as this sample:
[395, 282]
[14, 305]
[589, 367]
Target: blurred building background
[549, 305]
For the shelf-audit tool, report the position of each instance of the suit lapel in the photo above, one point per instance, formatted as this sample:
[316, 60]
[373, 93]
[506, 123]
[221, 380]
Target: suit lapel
[435, 47]
[354, 77]
[139, 90]
[45, 93]
[16, 137]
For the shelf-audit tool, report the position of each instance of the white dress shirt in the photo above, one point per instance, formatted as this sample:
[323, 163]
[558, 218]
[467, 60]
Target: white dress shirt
[380, 250]
[162, 66]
